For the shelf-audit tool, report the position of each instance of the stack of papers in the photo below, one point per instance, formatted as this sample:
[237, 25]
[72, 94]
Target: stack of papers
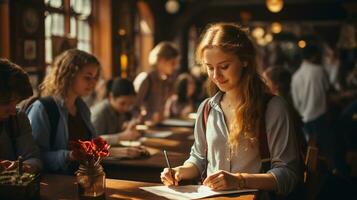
[178, 122]
[189, 191]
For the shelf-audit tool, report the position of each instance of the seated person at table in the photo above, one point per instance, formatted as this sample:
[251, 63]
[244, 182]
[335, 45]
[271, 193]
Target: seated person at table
[155, 87]
[15, 130]
[181, 104]
[112, 118]
[74, 74]
[243, 126]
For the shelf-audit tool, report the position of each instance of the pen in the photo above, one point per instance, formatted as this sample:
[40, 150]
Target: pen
[169, 166]
[20, 164]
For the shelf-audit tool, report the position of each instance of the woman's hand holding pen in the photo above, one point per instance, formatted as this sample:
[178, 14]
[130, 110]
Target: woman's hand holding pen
[223, 180]
[171, 177]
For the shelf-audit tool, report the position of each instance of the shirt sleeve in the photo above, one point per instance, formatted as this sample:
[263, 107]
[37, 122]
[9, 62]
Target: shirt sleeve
[198, 154]
[98, 119]
[25, 144]
[282, 145]
[52, 160]
[143, 89]
[294, 93]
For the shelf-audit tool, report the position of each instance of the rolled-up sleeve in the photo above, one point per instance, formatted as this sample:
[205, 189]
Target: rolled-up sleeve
[282, 145]
[198, 150]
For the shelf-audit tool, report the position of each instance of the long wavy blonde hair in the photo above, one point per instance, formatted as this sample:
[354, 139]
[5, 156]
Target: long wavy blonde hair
[65, 67]
[249, 112]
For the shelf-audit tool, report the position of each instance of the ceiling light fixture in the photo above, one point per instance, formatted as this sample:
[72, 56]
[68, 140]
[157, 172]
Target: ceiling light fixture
[172, 6]
[275, 6]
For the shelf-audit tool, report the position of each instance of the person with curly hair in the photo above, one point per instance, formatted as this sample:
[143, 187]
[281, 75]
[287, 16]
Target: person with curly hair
[73, 74]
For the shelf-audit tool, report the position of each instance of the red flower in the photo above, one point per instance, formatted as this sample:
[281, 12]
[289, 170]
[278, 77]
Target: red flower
[89, 152]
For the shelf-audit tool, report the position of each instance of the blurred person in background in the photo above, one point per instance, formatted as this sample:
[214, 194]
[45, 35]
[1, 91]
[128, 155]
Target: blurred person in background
[112, 118]
[180, 104]
[155, 87]
[346, 45]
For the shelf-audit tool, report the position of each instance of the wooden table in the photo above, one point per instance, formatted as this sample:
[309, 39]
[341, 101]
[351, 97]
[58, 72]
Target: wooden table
[144, 169]
[65, 187]
[148, 168]
[179, 133]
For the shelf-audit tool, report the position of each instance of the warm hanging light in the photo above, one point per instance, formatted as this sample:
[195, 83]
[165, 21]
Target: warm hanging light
[302, 44]
[172, 6]
[268, 37]
[275, 5]
[276, 27]
[258, 32]
[124, 65]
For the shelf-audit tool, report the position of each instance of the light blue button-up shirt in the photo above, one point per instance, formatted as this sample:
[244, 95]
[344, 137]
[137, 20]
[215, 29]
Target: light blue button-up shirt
[55, 160]
[246, 158]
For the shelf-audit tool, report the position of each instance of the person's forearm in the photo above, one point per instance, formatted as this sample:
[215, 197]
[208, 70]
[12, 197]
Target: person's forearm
[260, 181]
[111, 138]
[188, 171]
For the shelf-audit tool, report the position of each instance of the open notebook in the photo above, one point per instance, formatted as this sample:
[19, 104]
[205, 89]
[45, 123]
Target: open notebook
[189, 191]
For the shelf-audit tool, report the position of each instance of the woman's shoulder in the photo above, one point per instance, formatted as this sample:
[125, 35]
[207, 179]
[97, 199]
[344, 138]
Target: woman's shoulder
[140, 79]
[35, 106]
[277, 103]
[101, 107]
[276, 106]
[203, 103]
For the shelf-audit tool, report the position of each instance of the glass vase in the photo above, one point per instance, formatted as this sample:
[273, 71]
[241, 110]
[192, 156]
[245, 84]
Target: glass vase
[91, 182]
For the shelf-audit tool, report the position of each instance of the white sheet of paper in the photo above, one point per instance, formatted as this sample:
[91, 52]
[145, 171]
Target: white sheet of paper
[128, 143]
[178, 122]
[189, 191]
[158, 134]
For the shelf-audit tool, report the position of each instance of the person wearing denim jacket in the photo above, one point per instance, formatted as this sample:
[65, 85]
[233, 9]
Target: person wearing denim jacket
[57, 160]
[74, 74]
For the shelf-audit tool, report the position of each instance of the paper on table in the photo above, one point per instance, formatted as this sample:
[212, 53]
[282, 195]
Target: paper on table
[189, 191]
[178, 122]
[158, 134]
[130, 143]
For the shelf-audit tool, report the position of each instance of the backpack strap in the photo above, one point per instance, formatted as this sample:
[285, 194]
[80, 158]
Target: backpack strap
[206, 109]
[53, 116]
[12, 127]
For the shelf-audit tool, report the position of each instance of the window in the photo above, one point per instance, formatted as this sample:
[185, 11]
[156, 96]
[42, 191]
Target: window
[67, 25]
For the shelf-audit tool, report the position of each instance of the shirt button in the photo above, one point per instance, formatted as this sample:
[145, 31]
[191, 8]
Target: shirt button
[228, 159]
